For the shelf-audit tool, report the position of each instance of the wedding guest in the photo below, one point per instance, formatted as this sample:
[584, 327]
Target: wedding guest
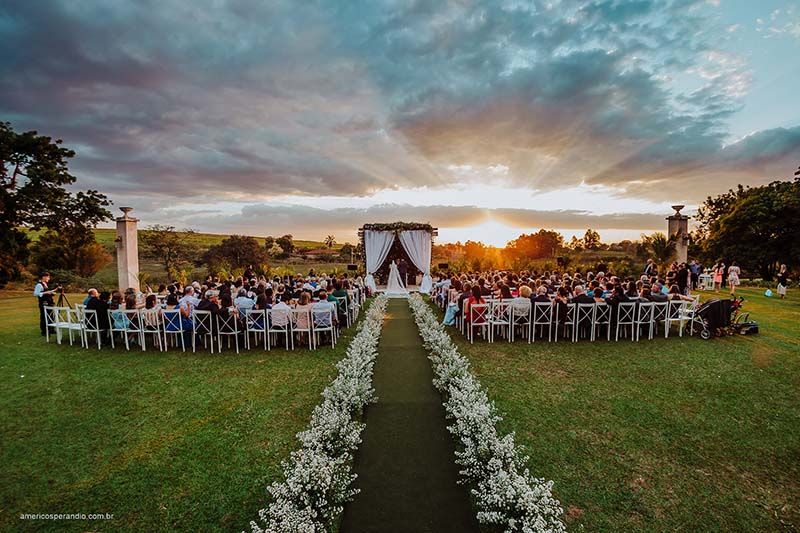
[733, 277]
[783, 281]
[44, 297]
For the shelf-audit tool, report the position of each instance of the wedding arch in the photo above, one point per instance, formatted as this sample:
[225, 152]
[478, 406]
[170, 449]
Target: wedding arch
[415, 238]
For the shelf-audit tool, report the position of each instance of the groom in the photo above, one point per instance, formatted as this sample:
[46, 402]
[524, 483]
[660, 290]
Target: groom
[403, 268]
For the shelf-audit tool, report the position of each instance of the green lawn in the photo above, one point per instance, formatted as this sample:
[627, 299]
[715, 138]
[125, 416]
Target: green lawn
[663, 435]
[171, 441]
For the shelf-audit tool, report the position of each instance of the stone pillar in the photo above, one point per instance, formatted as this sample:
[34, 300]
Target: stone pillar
[678, 227]
[127, 250]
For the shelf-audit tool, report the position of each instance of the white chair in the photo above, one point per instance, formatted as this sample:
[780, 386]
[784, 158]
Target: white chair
[202, 327]
[626, 318]
[644, 319]
[133, 327]
[173, 325]
[227, 327]
[117, 323]
[659, 316]
[255, 322]
[674, 315]
[569, 320]
[478, 318]
[301, 323]
[602, 317]
[91, 325]
[521, 318]
[542, 316]
[322, 322]
[343, 304]
[279, 322]
[152, 325]
[584, 319]
[51, 316]
[687, 315]
[500, 316]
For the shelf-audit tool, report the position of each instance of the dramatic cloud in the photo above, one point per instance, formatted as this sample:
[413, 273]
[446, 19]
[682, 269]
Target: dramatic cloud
[246, 100]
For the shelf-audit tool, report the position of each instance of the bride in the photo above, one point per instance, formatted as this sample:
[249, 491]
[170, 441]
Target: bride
[395, 285]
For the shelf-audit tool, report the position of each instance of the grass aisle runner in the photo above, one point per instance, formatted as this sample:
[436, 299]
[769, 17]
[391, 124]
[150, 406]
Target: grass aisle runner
[405, 464]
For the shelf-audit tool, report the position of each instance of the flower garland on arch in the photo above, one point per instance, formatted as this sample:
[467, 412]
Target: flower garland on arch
[318, 477]
[505, 492]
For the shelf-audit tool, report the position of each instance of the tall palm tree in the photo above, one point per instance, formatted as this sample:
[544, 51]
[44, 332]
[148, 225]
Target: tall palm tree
[661, 247]
[330, 240]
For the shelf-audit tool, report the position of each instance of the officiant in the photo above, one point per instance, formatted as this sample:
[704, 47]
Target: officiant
[403, 268]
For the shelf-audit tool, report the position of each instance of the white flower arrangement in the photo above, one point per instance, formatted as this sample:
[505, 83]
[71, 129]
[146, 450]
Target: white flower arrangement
[318, 476]
[505, 492]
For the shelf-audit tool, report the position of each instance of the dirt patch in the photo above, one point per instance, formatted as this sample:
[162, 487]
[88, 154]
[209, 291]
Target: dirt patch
[761, 355]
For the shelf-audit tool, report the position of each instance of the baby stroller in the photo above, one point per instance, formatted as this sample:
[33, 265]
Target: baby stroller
[722, 317]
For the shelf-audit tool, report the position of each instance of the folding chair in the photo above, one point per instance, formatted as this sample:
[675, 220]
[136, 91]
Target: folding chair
[133, 326]
[687, 315]
[227, 327]
[500, 316]
[674, 315]
[602, 317]
[117, 323]
[659, 315]
[542, 316]
[342, 304]
[644, 318]
[584, 315]
[202, 326]
[322, 322]
[478, 318]
[173, 325]
[279, 322]
[255, 321]
[569, 320]
[626, 312]
[521, 318]
[301, 323]
[91, 324]
[152, 324]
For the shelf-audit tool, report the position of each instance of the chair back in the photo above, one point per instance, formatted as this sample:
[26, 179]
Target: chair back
[301, 319]
[255, 320]
[133, 320]
[322, 318]
[501, 312]
[542, 313]
[626, 312]
[644, 312]
[602, 313]
[659, 311]
[571, 310]
[584, 313]
[278, 319]
[117, 320]
[227, 325]
[90, 320]
[172, 320]
[479, 314]
[674, 309]
[202, 322]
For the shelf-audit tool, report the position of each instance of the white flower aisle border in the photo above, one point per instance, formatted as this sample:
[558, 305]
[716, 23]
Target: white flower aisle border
[318, 476]
[506, 494]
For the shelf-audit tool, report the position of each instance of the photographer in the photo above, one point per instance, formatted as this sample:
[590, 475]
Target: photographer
[44, 296]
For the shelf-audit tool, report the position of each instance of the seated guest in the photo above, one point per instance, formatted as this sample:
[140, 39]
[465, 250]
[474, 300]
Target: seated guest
[656, 294]
[598, 295]
[151, 313]
[522, 304]
[504, 292]
[321, 319]
[541, 295]
[476, 298]
[91, 293]
[675, 294]
[303, 304]
[100, 306]
[581, 297]
[242, 302]
[281, 312]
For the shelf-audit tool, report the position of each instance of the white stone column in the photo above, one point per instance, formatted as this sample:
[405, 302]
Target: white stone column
[127, 250]
[678, 227]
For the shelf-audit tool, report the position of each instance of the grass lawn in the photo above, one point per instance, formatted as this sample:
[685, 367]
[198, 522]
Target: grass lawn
[663, 435]
[164, 441]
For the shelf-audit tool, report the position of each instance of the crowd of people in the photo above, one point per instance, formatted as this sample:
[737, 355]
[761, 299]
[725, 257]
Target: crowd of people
[226, 298]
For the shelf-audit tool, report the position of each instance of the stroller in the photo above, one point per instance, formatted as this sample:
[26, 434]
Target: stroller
[722, 317]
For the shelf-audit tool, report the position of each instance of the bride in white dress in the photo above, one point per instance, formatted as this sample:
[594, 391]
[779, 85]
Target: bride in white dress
[395, 284]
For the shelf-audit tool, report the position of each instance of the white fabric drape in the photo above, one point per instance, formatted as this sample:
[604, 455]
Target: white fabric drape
[417, 244]
[376, 246]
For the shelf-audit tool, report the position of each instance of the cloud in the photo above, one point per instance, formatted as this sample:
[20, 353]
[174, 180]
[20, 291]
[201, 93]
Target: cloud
[247, 100]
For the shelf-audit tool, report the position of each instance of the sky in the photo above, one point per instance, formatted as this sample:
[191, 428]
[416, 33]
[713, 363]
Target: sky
[485, 118]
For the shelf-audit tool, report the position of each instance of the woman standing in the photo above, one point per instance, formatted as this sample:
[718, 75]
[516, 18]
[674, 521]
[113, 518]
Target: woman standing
[783, 281]
[733, 277]
[719, 270]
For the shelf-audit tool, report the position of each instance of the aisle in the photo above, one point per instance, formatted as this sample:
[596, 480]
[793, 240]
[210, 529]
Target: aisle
[405, 465]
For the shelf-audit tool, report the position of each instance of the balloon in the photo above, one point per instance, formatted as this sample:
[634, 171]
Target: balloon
[768, 293]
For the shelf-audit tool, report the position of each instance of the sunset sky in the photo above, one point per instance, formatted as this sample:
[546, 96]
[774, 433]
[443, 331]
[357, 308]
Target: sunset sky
[485, 119]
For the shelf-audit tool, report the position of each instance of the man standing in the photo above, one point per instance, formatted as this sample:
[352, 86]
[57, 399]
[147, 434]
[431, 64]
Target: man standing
[44, 297]
[650, 268]
[403, 269]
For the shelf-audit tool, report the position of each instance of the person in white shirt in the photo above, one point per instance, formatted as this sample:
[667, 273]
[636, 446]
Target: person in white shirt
[44, 296]
[243, 303]
[323, 319]
[188, 302]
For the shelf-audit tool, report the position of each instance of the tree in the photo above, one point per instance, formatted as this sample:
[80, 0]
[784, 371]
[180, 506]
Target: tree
[269, 242]
[347, 250]
[758, 227]
[286, 243]
[33, 195]
[544, 243]
[62, 251]
[660, 247]
[591, 239]
[330, 241]
[172, 248]
[236, 251]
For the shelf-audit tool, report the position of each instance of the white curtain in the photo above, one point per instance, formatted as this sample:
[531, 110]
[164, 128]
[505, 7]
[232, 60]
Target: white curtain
[376, 246]
[417, 244]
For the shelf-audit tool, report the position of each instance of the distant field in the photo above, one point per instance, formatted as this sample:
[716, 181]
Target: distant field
[106, 236]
